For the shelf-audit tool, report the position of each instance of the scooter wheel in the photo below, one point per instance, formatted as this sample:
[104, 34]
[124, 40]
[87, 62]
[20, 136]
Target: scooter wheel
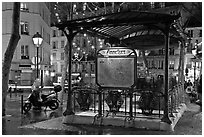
[53, 104]
[27, 107]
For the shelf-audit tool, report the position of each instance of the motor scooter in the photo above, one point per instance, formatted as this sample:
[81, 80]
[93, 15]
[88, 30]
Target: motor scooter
[50, 100]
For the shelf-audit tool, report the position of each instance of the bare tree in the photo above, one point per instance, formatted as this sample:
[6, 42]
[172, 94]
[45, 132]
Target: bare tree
[8, 56]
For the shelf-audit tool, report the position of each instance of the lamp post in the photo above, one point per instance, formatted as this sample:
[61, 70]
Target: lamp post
[37, 40]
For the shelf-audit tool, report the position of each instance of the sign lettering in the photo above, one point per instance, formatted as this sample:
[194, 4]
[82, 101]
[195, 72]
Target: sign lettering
[115, 52]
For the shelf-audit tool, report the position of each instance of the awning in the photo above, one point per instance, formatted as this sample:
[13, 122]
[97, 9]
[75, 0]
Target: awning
[132, 28]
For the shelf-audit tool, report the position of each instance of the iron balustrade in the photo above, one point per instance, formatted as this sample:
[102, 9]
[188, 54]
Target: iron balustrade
[118, 102]
[176, 98]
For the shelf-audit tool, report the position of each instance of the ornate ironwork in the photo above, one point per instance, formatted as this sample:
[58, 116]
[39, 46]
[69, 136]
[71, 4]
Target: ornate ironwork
[84, 99]
[114, 101]
[146, 102]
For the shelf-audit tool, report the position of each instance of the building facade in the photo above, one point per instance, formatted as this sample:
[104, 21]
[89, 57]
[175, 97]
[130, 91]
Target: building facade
[34, 17]
[193, 63]
[83, 53]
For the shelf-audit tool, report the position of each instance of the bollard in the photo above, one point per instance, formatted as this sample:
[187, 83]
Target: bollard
[21, 104]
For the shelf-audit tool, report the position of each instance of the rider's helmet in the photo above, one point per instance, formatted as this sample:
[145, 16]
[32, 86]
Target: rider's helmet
[57, 88]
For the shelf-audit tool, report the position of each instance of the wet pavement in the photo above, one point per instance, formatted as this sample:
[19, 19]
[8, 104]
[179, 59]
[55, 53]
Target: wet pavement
[16, 123]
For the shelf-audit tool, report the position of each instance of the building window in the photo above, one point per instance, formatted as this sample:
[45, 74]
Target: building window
[161, 52]
[54, 56]
[162, 4]
[24, 7]
[149, 64]
[152, 5]
[62, 44]
[190, 33]
[171, 64]
[160, 64]
[24, 28]
[62, 67]
[48, 35]
[153, 65]
[171, 51]
[54, 44]
[54, 34]
[24, 52]
[55, 67]
[189, 48]
[200, 33]
[62, 56]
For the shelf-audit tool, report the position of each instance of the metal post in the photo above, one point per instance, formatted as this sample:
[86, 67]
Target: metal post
[100, 104]
[166, 81]
[194, 74]
[21, 104]
[130, 113]
[182, 77]
[37, 61]
[41, 77]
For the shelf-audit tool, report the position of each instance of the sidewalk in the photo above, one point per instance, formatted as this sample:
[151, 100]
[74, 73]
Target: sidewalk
[50, 123]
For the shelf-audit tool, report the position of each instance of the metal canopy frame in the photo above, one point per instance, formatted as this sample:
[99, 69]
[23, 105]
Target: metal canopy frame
[119, 25]
[129, 27]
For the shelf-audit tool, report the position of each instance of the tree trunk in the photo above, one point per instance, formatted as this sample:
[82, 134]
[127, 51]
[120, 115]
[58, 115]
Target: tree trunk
[181, 59]
[8, 55]
[69, 109]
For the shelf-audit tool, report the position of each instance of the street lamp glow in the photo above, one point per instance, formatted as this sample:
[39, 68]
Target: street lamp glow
[37, 39]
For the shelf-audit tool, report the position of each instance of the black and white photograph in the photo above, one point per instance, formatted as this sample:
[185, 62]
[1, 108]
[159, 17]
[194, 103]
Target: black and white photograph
[101, 68]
